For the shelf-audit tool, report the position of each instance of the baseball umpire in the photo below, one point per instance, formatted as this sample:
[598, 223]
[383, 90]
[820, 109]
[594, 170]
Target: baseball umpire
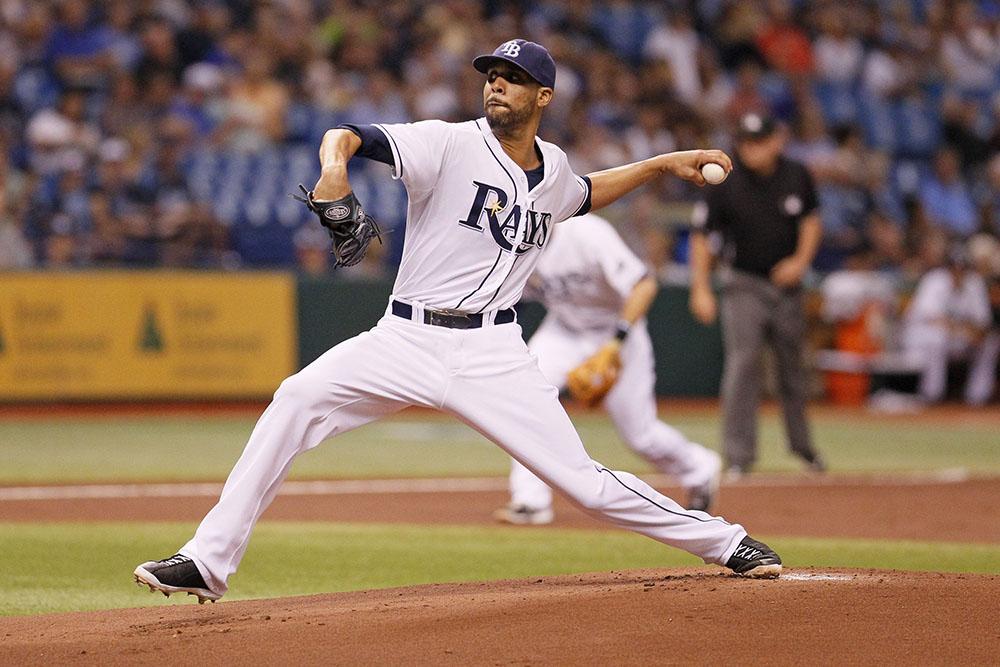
[483, 197]
[766, 214]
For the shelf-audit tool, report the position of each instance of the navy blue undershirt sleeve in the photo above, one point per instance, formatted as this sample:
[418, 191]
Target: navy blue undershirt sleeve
[585, 207]
[374, 143]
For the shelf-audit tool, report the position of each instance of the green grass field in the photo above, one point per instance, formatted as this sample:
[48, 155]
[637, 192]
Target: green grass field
[65, 567]
[205, 448]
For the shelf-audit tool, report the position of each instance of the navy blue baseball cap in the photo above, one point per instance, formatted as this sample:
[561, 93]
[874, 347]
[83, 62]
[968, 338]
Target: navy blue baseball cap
[531, 57]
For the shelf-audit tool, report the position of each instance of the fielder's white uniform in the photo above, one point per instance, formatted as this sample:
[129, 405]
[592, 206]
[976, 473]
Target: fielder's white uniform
[583, 278]
[928, 338]
[474, 233]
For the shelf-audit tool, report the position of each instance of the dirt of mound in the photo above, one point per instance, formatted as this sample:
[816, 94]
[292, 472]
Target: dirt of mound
[636, 617]
[827, 507]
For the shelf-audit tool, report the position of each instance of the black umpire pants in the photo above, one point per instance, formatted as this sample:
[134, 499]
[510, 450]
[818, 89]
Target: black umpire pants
[755, 313]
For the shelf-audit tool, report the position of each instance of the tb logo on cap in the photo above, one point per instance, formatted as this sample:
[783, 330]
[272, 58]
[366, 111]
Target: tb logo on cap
[511, 49]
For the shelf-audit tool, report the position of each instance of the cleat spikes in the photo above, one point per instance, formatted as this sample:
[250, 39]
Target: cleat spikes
[177, 574]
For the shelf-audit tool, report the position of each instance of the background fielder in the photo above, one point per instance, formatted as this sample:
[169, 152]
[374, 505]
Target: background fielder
[483, 197]
[596, 293]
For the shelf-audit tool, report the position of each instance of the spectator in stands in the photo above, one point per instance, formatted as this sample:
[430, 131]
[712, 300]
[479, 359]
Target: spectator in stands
[677, 43]
[123, 45]
[887, 70]
[886, 245]
[784, 43]
[716, 86]
[848, 179]
[78, 51]
[970, 52]
[59, 138]
[15, 251]
[648, 136]
[255, 106]
[747, 94]
[160, 55]
[736, 33]
[69, 239]
[74, 73]
[810, 142]
[946, 199]
[839, 54]
[961, 129]
[948, 319]
[990, 197]
[199, 99]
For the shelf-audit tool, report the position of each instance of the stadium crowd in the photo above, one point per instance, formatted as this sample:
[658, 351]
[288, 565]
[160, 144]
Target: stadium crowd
[168, 132]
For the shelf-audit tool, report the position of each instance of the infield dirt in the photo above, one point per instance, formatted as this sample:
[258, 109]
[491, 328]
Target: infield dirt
[635, 617]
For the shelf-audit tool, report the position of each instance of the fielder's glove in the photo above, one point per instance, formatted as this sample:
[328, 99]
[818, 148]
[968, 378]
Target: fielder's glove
[591, 381]
[350, 228]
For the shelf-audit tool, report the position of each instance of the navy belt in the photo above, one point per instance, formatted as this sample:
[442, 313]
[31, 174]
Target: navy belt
[451, 320]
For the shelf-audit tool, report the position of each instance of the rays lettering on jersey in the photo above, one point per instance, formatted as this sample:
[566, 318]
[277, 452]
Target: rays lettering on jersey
[536, 229]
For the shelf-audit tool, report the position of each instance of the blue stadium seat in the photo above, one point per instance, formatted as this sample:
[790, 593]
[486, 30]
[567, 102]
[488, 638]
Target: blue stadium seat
[877, 122]
[34, 89]
[919, 127]
[258, 237]
[837, 101]
[299, 122]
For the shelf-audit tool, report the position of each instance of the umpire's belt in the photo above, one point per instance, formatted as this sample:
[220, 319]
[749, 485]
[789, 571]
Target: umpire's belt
[452, 319]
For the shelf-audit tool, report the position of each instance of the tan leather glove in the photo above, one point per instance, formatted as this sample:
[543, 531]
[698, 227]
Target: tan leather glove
[591, 381]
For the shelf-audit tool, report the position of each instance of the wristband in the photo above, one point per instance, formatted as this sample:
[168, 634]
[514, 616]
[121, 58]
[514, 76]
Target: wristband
[622, 330]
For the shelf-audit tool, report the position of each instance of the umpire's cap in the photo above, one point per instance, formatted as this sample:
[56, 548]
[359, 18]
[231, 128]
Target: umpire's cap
[753, 126]
[531, 57]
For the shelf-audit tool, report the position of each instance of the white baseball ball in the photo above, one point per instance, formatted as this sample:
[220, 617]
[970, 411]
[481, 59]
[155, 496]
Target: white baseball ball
[713, 173]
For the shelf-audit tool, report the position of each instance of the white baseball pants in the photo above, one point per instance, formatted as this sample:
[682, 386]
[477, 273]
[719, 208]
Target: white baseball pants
[631, 404]
[486, 378]
[933, 345]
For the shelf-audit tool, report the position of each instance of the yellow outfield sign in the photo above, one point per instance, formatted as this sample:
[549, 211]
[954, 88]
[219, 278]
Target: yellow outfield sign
[161, 334]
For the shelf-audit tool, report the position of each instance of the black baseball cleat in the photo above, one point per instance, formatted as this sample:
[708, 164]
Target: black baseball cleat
[177, 574]
[754, 559]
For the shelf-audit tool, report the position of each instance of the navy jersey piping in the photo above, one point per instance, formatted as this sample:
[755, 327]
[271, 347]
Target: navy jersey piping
[514, 183]
[495, 263]
[516, 257]
[650, 500]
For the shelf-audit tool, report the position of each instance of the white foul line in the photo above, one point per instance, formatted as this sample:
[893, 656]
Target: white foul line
[319, 488]
[440, 485]
[793, 576]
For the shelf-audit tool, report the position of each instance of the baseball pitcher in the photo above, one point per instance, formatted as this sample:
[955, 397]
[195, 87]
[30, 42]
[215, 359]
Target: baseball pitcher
[484, 196]
[596, 293]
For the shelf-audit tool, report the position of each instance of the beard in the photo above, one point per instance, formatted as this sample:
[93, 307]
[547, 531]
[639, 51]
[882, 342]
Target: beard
[506, 120]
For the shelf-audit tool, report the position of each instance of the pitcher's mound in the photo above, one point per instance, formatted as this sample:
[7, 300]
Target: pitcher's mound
[691, 616]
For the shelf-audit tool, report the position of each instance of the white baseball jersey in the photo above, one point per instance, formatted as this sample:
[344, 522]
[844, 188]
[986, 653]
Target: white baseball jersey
[931, 342]
[585, 274]
[938, 297]
[474, 230]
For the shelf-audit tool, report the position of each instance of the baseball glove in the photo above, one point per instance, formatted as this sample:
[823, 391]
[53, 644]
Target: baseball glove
[350, 228]
[591, 381]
